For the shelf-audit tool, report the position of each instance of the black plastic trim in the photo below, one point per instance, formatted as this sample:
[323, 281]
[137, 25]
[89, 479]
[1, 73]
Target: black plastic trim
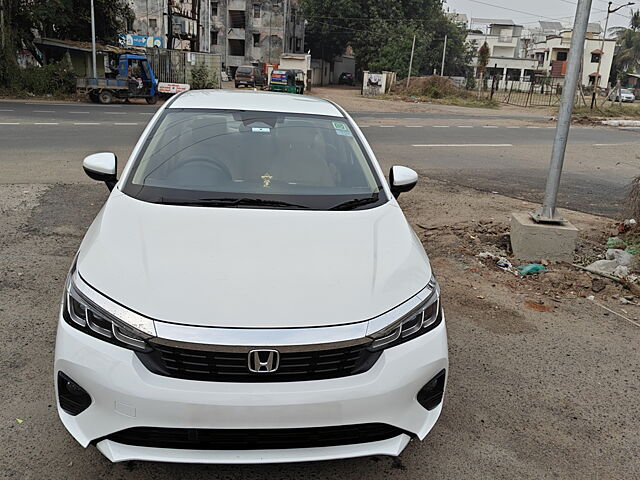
[254, 439]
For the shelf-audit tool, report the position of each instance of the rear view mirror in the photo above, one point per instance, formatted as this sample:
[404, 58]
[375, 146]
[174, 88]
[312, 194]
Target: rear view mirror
[402, 179]
[102, 167]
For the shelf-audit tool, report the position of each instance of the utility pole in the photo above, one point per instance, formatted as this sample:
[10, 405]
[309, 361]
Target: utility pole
[147, 7]
[2, 24]
[413, 46]
[169, 27]
[444, 53]
[547, 214]
[604, 37]
[93, 40]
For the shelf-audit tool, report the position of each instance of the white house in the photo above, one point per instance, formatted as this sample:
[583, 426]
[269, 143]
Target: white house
[552, 54]
[506, 47]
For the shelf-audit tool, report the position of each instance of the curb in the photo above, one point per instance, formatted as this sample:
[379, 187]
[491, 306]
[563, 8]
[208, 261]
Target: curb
[621, 123]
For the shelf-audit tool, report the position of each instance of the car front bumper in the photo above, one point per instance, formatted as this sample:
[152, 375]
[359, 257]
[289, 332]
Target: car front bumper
[125, 394]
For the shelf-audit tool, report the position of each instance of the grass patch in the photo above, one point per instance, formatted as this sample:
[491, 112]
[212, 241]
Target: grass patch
[438, 90]
[609, 110]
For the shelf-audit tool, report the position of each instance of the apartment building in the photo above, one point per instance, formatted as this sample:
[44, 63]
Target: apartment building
[241, 31]
[253, 31]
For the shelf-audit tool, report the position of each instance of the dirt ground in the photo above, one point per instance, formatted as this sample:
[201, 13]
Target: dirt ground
[543, 382]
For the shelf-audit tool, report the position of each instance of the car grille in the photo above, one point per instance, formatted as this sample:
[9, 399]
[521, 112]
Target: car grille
[233, 366]
[269, 439]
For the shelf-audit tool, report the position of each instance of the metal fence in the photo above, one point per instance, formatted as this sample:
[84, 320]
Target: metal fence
[527, 91]
[175, 66]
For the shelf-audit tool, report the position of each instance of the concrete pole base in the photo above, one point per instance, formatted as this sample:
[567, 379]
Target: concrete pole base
[533, 242]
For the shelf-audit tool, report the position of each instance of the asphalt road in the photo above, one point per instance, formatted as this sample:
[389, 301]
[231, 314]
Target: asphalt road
[502, 153]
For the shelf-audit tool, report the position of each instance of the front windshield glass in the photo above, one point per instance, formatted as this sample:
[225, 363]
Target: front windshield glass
[254, 159]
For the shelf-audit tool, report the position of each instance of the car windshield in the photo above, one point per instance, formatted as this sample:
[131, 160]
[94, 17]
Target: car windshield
[244, 70]
[628, 92]
[254, 159]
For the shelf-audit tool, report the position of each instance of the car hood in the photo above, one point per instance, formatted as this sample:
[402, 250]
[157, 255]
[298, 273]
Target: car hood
[252, 268]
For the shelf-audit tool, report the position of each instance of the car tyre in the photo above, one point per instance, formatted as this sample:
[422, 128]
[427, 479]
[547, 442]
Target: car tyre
[152, 100]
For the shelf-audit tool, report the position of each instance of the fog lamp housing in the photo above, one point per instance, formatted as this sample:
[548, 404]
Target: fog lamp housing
[430, 396]
[72, 397]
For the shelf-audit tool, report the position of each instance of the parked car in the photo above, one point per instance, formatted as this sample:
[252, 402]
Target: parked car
[626, 95]
[346, 78]
[183, 339]
[250, 76]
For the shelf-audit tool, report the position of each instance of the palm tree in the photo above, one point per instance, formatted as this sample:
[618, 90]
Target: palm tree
[627, 55]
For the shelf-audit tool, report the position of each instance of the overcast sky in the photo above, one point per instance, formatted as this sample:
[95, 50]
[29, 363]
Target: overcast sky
[530, 11]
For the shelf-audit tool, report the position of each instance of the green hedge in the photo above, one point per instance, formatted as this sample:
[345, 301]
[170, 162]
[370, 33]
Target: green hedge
[53, 79]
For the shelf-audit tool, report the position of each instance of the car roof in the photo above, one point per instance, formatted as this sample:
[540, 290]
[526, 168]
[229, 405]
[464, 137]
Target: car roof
[257, 101]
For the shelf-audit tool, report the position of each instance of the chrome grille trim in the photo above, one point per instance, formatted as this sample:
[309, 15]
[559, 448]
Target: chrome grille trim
[243, 339]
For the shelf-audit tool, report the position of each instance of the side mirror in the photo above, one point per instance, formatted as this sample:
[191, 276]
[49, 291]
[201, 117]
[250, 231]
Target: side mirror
[102, 167]
[402, 179]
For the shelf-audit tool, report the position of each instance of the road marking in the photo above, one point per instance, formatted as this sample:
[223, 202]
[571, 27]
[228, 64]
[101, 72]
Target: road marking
[9, 123]
[44, 111]
[513, 127]
[87, 123]
[414, 126]
[5, 110]
[115, 113]
[533, 127]
[465, 126]
[607, 144]
[489, 126]
[386, 126]
[46, 123]
[364, 126]
[441, 126]
[147, 113]
[125, 123]
[78, 112]
[464, 145]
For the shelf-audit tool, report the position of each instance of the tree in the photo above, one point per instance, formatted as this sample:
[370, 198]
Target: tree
[381, 34]
[483, 58]
[328, 29]
[627, 55]
[71, 19]
[62, 19]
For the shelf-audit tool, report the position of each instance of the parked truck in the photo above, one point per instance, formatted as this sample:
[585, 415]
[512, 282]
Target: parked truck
[134, 79]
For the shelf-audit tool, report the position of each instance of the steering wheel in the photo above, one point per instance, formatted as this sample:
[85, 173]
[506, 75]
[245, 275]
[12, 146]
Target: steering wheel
[200, 168]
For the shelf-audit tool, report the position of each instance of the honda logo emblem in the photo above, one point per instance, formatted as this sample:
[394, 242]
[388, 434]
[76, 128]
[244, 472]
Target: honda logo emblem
[264, 361]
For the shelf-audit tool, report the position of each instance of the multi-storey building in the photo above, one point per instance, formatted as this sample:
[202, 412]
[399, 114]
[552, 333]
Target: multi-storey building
[252, 31]
[241, 31]
[504, 39]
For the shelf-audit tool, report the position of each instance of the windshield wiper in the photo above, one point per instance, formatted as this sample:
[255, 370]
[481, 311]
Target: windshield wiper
[356, 202]
[231, 202]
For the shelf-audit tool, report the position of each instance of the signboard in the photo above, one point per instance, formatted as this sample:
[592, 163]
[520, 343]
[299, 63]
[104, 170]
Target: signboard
[172, 87]
[130, 40]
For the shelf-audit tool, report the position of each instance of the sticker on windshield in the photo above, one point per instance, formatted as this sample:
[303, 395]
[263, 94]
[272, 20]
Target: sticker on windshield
[342, 129]
[261, 130]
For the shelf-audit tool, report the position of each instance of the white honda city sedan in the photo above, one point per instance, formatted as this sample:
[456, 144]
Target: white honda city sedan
[250, 292]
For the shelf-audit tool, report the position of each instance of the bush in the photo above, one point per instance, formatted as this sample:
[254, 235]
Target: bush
[200, 78]
[51, 79]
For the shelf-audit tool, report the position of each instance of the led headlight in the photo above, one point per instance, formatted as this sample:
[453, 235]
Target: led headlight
[102, 321]
[420, 320]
